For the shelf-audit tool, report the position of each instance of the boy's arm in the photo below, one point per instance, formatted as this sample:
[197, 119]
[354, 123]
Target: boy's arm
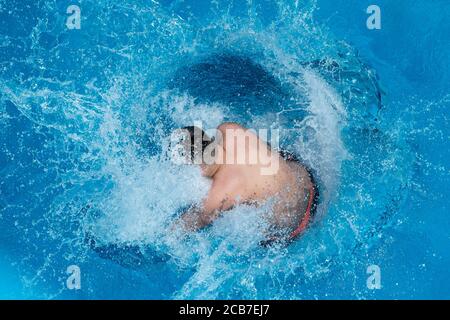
[202, 215]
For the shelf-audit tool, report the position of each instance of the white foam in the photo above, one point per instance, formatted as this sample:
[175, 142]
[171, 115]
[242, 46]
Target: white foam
[324, 150]
[143, 202]
[184, 112]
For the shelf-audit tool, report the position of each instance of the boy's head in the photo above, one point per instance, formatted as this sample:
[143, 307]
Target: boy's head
[194, 145]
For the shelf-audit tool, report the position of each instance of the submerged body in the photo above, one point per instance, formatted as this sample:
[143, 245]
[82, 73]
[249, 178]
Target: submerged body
[289, 187]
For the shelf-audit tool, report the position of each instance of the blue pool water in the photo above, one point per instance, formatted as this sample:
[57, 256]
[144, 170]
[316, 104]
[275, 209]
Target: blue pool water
[84, 119]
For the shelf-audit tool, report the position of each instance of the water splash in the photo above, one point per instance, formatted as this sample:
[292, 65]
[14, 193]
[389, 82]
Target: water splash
[89, 121]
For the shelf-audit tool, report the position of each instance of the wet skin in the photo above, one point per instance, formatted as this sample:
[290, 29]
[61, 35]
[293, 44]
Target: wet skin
[235, 183]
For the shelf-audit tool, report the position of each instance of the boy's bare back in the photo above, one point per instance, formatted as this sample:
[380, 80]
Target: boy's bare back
[236, 181]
